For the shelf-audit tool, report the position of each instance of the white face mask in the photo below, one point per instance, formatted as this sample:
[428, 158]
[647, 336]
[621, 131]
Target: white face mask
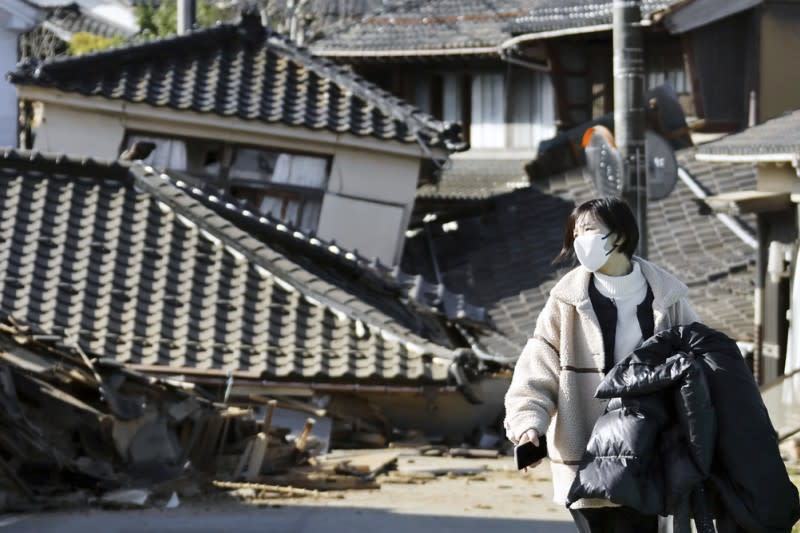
[591, 251]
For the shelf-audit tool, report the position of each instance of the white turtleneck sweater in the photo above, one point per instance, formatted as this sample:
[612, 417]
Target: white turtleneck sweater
[627, 292]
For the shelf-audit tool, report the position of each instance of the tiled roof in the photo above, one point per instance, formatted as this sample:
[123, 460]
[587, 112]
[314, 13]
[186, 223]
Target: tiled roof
[777, 139]
[420, 305]
[242, 70]
[569, 14]
[428, 25]
[71, 18]
[453, 25]
[137, 270]
[500, 258]
[334, 8]
[477, 179]
[51, 37]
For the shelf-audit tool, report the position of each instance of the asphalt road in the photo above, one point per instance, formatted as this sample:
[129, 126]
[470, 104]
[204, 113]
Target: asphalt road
[499, 499]
[292, 519]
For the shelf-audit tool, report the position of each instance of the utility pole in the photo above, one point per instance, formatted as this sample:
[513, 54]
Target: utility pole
[629, 120]
[187, 13]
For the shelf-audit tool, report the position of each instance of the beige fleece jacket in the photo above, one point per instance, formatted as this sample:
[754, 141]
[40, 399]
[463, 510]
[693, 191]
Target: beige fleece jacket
[561, 365]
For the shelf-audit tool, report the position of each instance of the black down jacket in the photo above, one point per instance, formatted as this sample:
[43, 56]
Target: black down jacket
[686, 428]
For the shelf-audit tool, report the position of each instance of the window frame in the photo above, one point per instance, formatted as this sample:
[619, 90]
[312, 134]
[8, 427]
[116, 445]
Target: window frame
[254, 193]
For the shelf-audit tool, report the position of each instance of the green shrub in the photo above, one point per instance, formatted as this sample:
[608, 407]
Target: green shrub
[85, 43]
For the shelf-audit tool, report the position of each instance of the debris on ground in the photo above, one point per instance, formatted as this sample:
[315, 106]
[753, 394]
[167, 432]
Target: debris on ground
[84, 430]
[79, 429]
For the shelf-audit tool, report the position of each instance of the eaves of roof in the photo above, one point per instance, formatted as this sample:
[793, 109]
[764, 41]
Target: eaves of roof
[66, 20]
[407, 30]
[409, 299]
[775, 141]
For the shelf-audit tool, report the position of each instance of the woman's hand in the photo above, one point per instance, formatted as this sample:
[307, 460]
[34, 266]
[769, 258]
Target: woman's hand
[530, 435]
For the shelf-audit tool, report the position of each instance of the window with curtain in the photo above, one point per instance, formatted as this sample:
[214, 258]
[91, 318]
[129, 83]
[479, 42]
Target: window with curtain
[288, 187]
[168, 153]
[453, 97]
[532, 117]
[667, 67]
[513, 110]
[488, 121]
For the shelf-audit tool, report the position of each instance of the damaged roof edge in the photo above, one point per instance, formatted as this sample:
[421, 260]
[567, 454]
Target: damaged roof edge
[167, 192]
[214, 376]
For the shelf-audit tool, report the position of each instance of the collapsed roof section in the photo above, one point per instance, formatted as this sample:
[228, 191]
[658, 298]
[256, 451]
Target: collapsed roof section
[133, 268]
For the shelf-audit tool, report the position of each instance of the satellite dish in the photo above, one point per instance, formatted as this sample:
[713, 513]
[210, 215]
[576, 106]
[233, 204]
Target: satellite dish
[662, 166]
[604, 161]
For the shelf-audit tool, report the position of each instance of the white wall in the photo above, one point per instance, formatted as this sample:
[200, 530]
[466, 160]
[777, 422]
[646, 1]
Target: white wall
[369, 201]
[8, 94]
[15, 18]
[369, 196]
[371, 229]
[68, 131]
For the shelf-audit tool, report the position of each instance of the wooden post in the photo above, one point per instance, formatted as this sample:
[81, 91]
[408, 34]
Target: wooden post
[303, 438]
[268, 415]
[258, 451]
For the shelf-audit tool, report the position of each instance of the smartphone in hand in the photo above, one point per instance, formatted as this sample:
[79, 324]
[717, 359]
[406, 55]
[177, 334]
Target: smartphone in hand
[527, 453]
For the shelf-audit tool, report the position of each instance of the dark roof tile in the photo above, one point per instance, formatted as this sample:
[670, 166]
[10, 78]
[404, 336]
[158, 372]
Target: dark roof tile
[777, 139]
[464, 26]
[572, 14]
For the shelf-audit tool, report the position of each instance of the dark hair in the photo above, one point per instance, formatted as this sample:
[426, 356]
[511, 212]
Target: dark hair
[614, 213]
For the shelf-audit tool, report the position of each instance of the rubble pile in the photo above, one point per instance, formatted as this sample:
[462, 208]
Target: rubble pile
[80, 429]
[73, 424]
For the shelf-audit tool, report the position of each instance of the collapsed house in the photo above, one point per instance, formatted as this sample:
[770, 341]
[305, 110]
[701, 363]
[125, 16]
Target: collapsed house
[137, 270]
[255, 282]
[304, 159]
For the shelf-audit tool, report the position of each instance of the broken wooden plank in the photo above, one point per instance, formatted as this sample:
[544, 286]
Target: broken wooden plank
[302, 440]
[325, 481]
[268, 414]
[256, 459]
[367, 464]
[263, 487]
[475, 453]
[288, 403]
[244, 460]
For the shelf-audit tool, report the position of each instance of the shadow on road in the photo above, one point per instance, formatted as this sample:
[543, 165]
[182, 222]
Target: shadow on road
[288, 519]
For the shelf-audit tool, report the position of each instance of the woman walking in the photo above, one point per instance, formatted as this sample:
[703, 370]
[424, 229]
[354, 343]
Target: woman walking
[596, 315]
